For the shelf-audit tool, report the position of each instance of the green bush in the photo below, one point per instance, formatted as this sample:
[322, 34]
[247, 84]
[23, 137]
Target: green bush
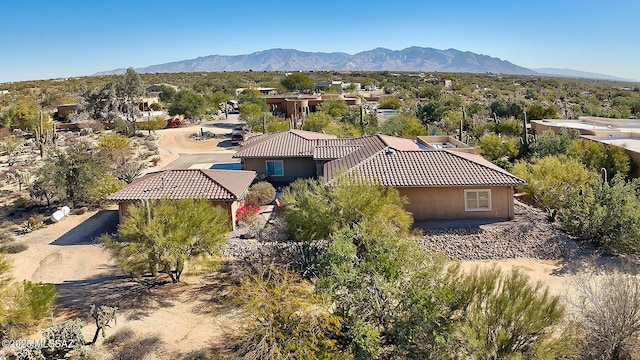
[508, 317]
[22, 305]
[261, 193]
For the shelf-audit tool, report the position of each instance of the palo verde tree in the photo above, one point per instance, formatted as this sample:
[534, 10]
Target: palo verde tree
[164, 236]
[551, 143]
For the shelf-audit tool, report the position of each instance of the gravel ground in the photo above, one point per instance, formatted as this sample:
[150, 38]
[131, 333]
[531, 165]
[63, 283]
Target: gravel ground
[529, 235]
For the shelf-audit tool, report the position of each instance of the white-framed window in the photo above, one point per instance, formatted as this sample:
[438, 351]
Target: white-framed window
[275, 168]
[477, 200]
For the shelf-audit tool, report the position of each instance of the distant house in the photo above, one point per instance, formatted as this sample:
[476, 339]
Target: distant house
[298, 106]
[438, 184]
[326, 85]
[281, 157]
[224, 188]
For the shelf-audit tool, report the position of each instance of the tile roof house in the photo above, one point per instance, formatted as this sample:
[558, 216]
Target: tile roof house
[438, 184]
[283, 156]
[225, 188]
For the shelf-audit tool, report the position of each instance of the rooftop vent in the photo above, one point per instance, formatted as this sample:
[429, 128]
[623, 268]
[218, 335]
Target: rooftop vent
[391, 151]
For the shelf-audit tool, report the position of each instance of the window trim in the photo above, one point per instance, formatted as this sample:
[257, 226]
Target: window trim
[476, 191]
[266, 167]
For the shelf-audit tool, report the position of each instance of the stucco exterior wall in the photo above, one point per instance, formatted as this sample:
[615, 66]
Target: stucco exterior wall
[294, 168]
[229, 206]
[449, 203]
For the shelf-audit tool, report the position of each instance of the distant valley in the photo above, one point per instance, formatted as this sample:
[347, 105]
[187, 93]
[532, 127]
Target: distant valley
[379, 59]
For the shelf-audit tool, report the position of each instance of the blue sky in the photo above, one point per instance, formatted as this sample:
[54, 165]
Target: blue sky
[42, 39]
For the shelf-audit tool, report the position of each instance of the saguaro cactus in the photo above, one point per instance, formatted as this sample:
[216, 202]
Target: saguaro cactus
[43, 135]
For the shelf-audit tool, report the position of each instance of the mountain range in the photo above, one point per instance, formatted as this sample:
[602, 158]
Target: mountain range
[379, 59]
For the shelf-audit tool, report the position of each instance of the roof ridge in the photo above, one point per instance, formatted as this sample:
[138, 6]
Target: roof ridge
[204, 171]
[370, 157]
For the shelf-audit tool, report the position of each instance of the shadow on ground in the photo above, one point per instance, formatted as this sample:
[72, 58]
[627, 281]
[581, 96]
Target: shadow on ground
[102, 222]
[222, 125]
[227, 144]
[135, 298]
[590, 259]
[455, 224]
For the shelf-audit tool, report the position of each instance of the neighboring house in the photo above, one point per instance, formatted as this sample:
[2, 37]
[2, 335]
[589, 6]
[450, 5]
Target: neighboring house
[281, 157]
[618, 132]
[438, 184]
[299, 106]
[224, 188]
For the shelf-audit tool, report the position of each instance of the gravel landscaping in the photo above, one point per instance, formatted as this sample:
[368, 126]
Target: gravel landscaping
[528, 235]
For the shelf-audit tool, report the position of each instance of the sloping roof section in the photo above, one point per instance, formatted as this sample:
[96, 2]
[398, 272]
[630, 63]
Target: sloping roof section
[290, 143]
[332, 152]
[220, 185]
[432, 168]
[367, 146]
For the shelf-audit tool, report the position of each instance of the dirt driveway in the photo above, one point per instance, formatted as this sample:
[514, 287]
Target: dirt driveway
[177, 151]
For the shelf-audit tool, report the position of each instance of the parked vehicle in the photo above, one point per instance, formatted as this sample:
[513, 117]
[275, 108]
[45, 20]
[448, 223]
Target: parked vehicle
[237, 137]
[173, 122]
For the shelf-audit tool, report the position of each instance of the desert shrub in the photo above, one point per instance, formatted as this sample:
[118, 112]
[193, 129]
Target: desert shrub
[168, 236]
[607, 310]
[22, 304]
[508, 317]
[553, 180]
[32, 224]
[261, 193]
[607, 214]
[509, 127]
[13, 248]
[151, 145]
[6, 236]
[65, 340]
[124, 127]
[21, 203]
[285, 320]
[112, 142]
[127, 170]
[494, 147]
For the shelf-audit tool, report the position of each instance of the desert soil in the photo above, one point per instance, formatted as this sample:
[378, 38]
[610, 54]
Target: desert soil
[180, 314]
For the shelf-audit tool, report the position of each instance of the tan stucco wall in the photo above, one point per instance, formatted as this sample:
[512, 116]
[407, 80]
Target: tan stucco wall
[448, 203]
[294, 168]
[230, 207]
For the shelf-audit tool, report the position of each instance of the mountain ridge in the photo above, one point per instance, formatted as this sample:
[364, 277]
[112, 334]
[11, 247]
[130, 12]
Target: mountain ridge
[412, 58]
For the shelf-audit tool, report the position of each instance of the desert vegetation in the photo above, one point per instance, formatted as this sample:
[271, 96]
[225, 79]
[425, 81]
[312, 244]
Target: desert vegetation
[349, 279]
